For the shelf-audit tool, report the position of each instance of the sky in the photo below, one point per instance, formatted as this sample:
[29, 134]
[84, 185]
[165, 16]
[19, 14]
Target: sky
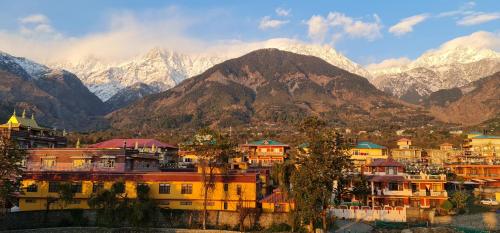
[367, 31]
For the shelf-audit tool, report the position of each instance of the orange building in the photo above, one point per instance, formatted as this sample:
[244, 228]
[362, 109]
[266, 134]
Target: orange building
[391, 185]
[265, 153]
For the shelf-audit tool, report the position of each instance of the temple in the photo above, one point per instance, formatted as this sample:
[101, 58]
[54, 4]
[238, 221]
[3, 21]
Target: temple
[26, 132]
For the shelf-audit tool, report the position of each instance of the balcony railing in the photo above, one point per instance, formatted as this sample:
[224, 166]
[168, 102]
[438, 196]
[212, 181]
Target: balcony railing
[423, 193]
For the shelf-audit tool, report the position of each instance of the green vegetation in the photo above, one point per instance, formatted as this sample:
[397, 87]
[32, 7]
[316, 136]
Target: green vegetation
[11, 159]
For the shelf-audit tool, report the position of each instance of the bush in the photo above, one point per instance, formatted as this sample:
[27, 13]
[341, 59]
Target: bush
[447, 205]
[282, 227]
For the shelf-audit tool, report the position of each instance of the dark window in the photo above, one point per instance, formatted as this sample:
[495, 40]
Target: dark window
[186, 203]
[53, 187]
[32, 188]
[97, 186]
[186, 189]
[226, 187]
[76, 187]
[238, 190]
[30, 201]
[395, 187]
[164, 189]
[225, 205]
[142, 184]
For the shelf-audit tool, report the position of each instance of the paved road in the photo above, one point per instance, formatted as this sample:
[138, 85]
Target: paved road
[348, 226]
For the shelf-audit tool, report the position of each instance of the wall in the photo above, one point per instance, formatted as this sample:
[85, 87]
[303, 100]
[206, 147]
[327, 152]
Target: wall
[371, 215]
[167, 219]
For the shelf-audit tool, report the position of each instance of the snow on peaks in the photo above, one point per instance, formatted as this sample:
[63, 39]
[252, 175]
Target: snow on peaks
[34, 70]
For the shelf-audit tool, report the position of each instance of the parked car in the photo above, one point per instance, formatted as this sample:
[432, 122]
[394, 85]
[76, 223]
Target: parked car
[489, 201]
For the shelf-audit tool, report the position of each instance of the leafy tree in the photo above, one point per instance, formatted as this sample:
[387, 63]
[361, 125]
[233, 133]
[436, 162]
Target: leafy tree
[65, 195]
[362, 189]
[213, 151]
[314, 177]
[111, 204]
[447, 205]
[143, 210]
[459, 199]
[11, 158]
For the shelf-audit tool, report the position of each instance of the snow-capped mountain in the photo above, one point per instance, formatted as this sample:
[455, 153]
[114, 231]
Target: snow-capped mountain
[23, 67]
[163, 69]
[436, 70]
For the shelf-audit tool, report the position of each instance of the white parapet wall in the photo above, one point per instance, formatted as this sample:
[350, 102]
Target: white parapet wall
[397, 214]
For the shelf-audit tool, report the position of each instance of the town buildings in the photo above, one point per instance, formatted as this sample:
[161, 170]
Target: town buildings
[27, 133]
[406, 153]
[391, 186]
[90, 169]
[365, 152]
[265, 153]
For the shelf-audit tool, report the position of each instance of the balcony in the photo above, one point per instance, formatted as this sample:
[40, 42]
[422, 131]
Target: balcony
[423, 193]
[387, 192]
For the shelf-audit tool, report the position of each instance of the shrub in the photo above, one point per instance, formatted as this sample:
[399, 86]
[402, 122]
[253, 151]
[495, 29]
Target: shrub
[447, 205]
[282, 227]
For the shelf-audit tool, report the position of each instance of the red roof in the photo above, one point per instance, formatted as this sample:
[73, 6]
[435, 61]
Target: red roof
[386, 178]
[385, 163]
[131, 142]
[276, 197]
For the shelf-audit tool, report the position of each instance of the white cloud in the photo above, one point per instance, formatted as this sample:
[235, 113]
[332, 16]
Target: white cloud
[478, 18]
[389, 63]
[406, 25]
[317, 28]
[343, 26]
[267, 23]
[465, 9]
[356, 28]
[283, 12]
[35, 18]
[476, 40]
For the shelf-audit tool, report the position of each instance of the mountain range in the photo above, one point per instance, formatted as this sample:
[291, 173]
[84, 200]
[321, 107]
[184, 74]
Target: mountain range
[436, 70]
[267, 86]
[56, 97]
[438, 85]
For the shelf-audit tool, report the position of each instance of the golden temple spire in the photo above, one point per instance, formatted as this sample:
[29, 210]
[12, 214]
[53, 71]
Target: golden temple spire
[33, 116]
[78, 143]
[14, 113]
[24, 114]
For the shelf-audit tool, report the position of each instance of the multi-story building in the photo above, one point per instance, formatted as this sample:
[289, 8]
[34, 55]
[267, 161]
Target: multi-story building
[445, 154]
[166, 152]
[365, 152]
[265, 153]
[481, 148]
[391, 185]
[406, 153]
[28, 134]
[90, 169]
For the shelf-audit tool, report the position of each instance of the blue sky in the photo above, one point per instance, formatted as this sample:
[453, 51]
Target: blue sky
[365, 31]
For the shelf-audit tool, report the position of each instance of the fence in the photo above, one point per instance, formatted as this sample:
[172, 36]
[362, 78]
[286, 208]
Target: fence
[366, 213]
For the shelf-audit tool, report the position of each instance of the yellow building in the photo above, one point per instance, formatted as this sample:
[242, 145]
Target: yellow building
[277, 202]
[172, 190]
[445, 154]
[406, 153]
[482, 147]
[365, 152]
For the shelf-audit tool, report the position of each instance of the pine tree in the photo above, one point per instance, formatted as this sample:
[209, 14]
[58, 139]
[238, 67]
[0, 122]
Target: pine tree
[11, 165]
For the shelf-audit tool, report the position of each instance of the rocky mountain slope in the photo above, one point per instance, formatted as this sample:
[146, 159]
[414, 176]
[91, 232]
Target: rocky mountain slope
[472, 104]
[58, 98]
[267, 86]
[435, 70]
[129, 95]
[163, 69]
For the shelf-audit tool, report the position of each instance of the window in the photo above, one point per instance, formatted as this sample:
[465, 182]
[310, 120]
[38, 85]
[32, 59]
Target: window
[163, 202]
[395, 187]
[75, 202]
[76, 187]
[238, 190]
[188, 160]
[164, 188]
[107, 163]
[81, 163]
[391, 170]
[32, 188]
[355, 152]
[48, 163]
[97, 186]
[226, 187]
[186, 203]
[186, 189]
[30, 201]
[53, 187]
[225, 205]
[436, 187]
